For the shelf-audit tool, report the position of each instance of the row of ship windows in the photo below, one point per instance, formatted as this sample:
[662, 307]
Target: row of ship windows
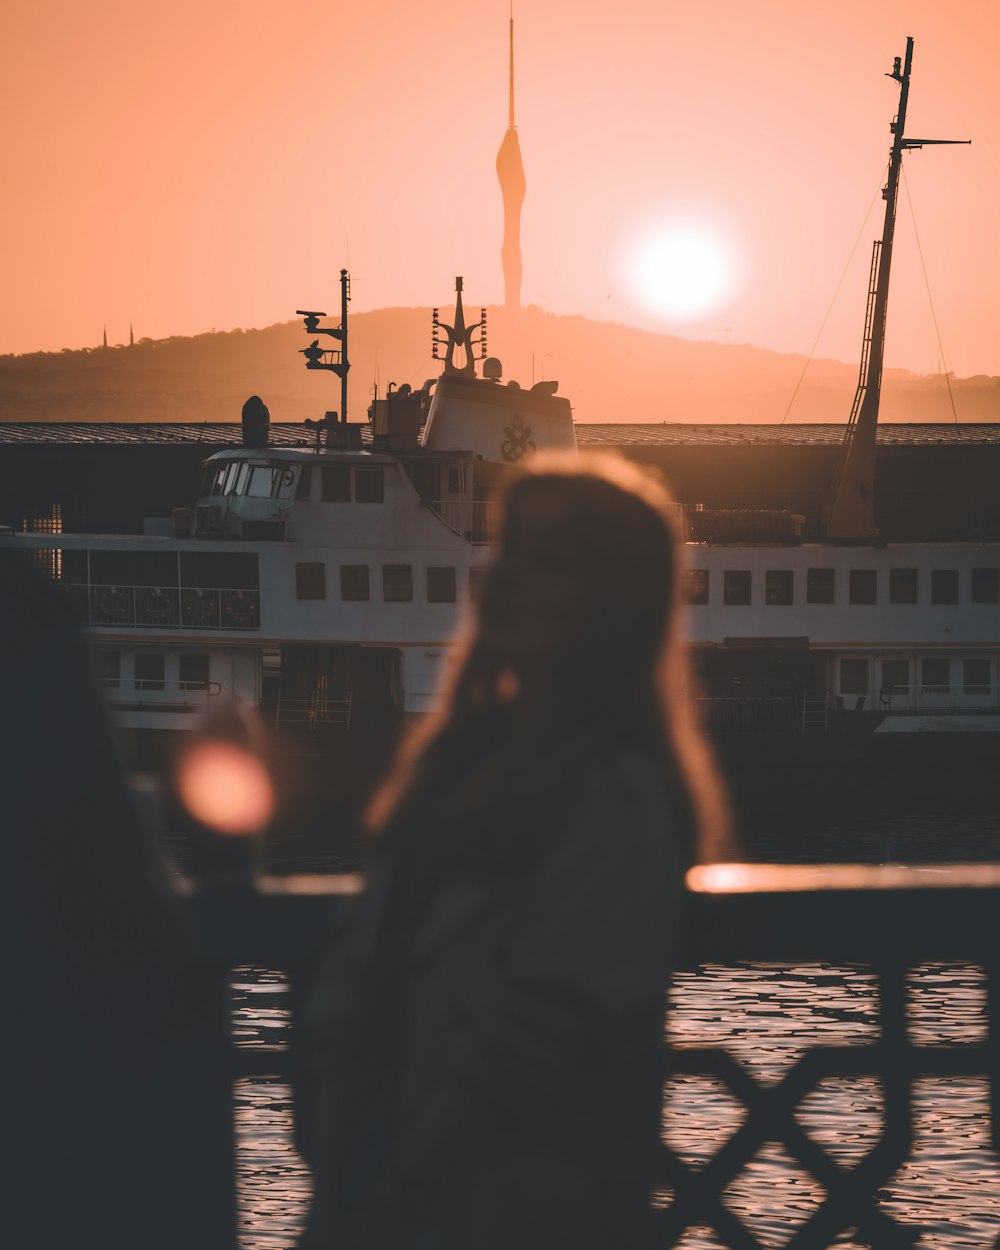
[935, 674]
[397, 582]
[339, 483]
[862, 586]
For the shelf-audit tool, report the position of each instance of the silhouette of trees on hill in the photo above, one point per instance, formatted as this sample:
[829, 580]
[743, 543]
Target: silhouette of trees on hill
[609, 372]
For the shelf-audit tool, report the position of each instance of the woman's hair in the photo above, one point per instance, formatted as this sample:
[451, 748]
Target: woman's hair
[618, 676]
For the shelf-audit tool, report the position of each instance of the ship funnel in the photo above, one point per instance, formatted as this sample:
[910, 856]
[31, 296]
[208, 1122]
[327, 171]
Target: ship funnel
[256, 422]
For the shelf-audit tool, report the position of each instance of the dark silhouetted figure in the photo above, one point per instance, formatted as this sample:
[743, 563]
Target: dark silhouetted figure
[116, 1112]
[483, 1048]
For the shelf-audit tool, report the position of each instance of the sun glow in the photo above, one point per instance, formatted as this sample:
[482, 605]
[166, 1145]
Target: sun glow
[682, 271]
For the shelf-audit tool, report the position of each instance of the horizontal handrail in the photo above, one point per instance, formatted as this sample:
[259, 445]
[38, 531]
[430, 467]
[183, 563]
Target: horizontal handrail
[886, 917]
[166, 607]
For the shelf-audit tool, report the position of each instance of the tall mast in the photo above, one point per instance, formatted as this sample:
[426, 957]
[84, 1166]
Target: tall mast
[510, 171]
[850, 514]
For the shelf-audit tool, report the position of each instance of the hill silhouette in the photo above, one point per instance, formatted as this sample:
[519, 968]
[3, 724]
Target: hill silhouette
[609, 372]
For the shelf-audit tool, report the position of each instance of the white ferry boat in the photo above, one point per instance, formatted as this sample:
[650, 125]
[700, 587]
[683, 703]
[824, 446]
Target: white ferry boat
[324, 584]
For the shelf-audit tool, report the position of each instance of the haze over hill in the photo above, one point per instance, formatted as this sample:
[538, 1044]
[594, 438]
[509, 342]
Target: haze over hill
[609, 373]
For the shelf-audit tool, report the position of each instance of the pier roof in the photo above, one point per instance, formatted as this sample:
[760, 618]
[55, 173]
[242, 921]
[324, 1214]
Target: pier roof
[213, 434]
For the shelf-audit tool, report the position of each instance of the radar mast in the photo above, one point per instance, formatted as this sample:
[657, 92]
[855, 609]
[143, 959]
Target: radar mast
[850, 512]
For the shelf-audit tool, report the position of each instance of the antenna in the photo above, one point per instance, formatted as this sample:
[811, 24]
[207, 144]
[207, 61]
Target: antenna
[458, 337]
[333, 359]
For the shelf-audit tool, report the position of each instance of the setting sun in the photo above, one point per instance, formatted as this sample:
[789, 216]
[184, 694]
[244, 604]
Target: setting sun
[682, 271]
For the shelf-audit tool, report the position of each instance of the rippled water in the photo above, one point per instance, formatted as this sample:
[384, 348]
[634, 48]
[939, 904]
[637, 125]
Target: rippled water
[767, 1017]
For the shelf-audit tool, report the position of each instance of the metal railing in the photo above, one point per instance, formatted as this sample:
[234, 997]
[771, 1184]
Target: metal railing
[158, 693]
[885, 919]
[167, 607]
[475, 520]
[748, 712]
[921, 697]
[316, 711]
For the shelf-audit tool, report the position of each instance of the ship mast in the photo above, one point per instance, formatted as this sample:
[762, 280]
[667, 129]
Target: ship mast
[850, 513]
[332, 358]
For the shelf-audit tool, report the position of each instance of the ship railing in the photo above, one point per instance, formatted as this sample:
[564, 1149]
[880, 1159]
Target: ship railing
[883, 924]
[161, 694]
[919, 699]
[748, 712]
[317, 711]
[475, 520]
[167, 607]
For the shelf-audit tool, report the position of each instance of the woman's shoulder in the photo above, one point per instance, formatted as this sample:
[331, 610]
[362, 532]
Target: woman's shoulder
[622, 806]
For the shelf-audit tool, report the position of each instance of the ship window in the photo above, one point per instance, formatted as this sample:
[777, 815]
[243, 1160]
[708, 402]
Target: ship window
[440, 585]
[853, 676]
[895, 677]
[229, 481]
[217, 478]
[397, 583]
[820, 585]
[74, 567]
[779, 586]
[944, 585]
[863, 586]
[286, 481]
[155, 568]
[935, 674]
[477, 573]
[310, 581]
[975, 676]
[193, 670]
[454, 480]
[354, 582]
[336, 483]
[986, 585]
[736, 586]
[148, 671]
[108, 668]
[304, 488]
[219, 570]
[695, 586]
[262, 480]
[133, 568]
[902, 585]
[368, 486]
[240, 485]
[112, 568]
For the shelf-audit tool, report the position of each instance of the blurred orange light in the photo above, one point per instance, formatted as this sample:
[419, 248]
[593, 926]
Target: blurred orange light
[226, 788]
[719, 878]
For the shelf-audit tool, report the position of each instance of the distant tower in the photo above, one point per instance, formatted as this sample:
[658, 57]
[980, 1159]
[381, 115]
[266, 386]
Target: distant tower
[510, 171]
[105, 343]
[131, 336]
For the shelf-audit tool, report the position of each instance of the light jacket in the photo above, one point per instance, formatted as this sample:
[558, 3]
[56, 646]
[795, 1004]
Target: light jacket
[484, 1042]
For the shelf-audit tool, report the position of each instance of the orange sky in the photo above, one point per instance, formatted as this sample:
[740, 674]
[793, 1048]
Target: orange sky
[190, 165]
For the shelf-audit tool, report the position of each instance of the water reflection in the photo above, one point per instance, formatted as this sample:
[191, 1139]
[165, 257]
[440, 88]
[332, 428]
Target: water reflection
[767, 1016]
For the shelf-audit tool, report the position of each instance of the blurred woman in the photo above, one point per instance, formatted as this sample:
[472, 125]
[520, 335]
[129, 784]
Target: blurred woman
[485, 1041]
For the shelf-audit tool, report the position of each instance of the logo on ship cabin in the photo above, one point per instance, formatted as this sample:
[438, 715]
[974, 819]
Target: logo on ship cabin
[518, 442]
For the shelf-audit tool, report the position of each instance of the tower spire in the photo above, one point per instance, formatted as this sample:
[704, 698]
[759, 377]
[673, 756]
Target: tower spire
[510, 171]
[510, 121]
